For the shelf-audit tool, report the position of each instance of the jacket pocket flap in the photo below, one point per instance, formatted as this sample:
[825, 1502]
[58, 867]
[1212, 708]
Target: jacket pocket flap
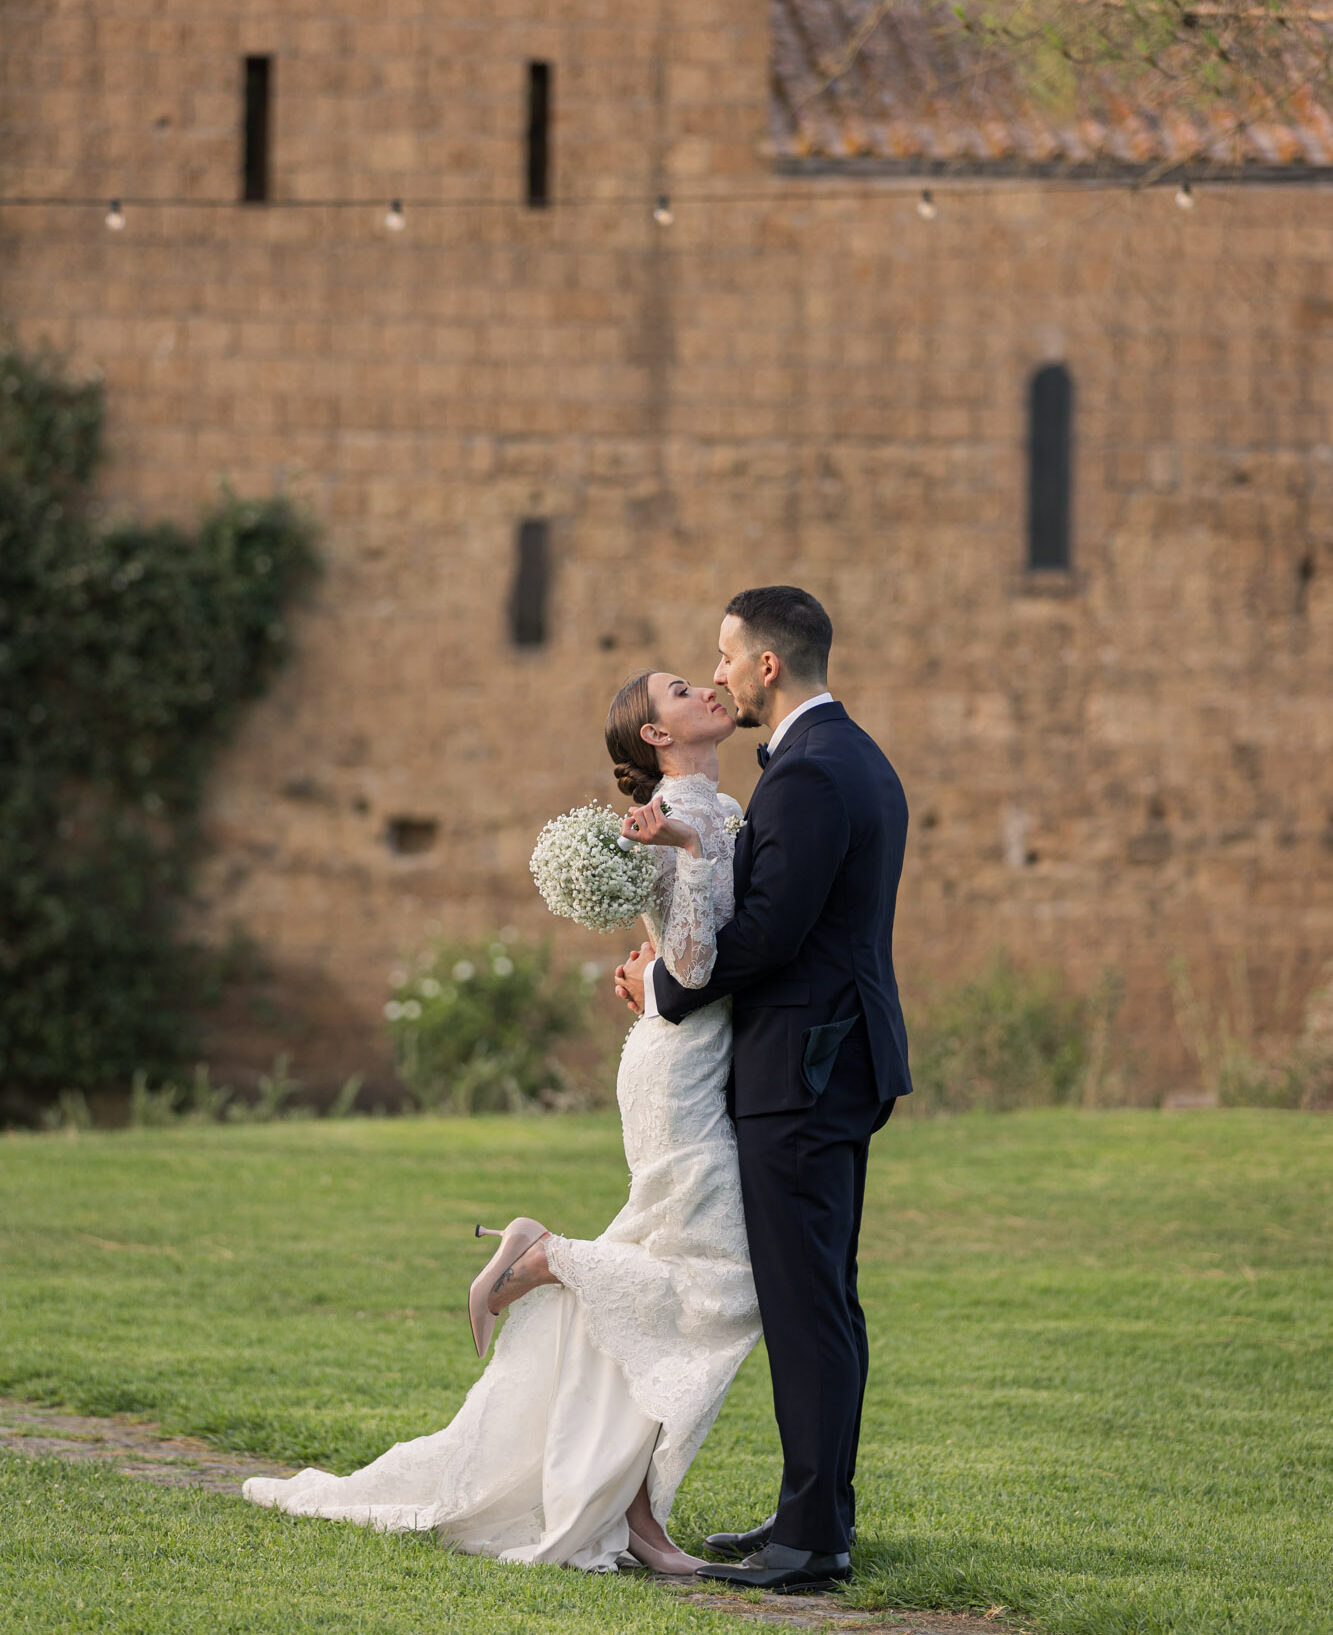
[821, 1051]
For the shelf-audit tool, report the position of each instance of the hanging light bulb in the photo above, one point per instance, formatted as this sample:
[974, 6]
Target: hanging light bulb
[115, 217]
[662, 212]
[1184, 197]
[395, 221]
[926, 207]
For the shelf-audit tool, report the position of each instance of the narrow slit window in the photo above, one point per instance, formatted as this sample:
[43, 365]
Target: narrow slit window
[408, 836]
[539, 134]
[532, 572]
[258, 82]
[1050, 467]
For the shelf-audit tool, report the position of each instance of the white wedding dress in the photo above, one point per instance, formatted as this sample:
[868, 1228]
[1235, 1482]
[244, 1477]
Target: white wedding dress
[621, 1371]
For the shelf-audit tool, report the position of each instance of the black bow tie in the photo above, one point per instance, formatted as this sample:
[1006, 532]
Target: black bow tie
[762, 753]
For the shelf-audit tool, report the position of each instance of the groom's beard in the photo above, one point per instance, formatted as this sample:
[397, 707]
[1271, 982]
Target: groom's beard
[749, 707]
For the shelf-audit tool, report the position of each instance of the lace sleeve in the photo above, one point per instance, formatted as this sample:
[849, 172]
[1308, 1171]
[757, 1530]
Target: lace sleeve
[692, 896]
[689, 935]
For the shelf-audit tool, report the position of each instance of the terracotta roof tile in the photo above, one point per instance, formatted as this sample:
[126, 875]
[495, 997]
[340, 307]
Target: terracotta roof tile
[922, 94]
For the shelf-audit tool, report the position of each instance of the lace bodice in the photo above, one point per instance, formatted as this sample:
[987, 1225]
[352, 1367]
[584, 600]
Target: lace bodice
[691, 896]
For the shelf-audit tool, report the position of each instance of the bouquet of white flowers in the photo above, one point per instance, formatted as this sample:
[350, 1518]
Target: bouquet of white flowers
[584, 876]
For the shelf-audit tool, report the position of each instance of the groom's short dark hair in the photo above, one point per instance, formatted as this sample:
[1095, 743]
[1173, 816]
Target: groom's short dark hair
[789, 622]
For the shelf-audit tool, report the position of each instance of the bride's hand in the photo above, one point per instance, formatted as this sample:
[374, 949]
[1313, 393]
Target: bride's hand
[650, 826]
[629, 977]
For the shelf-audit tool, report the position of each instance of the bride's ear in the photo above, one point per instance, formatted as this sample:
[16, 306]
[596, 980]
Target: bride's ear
[652, 734]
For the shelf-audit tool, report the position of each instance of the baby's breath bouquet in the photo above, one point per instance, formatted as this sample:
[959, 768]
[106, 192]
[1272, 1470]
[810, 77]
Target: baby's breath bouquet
[585, 876]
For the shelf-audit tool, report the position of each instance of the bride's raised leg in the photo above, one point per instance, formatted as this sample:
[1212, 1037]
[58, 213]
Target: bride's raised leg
[530, 1271]
[501, 1281]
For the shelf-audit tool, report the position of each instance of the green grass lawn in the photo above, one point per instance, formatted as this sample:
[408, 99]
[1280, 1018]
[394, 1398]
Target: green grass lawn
[1100, 1395]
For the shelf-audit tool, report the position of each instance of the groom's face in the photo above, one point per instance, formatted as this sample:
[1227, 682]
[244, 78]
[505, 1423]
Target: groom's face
[740, 672]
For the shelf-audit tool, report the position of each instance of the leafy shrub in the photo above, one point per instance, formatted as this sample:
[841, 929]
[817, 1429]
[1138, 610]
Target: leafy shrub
[200, 1101]
[1009, 1038]
[1238, 1069]
[125, 656]
[474, 1026]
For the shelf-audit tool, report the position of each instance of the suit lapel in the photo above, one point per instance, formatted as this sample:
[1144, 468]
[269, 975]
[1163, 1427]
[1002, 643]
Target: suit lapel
[740, 859]
[800, 726]
[740, 866]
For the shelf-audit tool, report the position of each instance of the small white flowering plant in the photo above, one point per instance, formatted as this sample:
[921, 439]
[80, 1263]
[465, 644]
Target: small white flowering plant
[473, 1025]
[583, 873]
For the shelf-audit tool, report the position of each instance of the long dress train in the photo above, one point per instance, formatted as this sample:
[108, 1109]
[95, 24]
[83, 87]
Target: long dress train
[620, 1371]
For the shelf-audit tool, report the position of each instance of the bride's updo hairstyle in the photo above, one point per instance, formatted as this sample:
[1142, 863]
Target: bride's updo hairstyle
[637, 771]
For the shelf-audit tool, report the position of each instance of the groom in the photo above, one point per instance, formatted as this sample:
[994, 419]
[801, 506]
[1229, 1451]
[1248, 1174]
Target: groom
[820, 1054]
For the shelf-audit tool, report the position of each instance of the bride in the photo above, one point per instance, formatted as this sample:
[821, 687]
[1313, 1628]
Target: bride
[614, 1361]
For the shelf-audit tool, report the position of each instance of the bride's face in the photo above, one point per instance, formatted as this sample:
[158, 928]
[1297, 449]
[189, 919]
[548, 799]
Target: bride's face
[690, 715]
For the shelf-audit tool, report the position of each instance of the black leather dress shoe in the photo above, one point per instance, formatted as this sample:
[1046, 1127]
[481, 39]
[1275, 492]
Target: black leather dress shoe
[783, 1570]
[736, 1546]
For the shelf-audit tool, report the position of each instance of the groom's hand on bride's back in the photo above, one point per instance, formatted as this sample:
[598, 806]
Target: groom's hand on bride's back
[629, 977]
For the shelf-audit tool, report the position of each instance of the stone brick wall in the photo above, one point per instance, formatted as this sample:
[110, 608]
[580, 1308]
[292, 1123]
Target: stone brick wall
[799, 379]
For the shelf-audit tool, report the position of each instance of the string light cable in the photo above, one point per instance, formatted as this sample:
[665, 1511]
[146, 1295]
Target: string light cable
[897, 184]
[790, 188]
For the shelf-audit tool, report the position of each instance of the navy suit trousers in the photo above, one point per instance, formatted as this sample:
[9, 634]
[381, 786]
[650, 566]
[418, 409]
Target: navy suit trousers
[803, 1182]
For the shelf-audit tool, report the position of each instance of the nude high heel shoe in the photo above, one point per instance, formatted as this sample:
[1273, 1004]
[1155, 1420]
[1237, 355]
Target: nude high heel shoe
[672, 1561]
[515, 1241]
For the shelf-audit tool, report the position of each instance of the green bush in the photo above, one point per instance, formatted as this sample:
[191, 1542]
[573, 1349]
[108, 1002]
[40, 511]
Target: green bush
[125, 656]
[1289, 1076]
[1244, 1080]
[474, 1026]
[1238, 1066]
[1009, 1038]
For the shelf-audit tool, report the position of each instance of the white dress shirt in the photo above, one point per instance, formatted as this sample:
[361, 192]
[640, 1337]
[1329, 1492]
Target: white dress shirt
[649, 993]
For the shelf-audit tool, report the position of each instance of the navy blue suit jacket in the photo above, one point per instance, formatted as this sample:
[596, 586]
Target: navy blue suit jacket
[810, 950]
